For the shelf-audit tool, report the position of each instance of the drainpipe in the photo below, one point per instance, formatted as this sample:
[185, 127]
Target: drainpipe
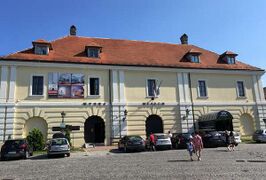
[191, 99]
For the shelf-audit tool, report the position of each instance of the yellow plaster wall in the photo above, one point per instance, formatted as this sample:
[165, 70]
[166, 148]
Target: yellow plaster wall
[135, 86]
[24, 77]
[222, 87]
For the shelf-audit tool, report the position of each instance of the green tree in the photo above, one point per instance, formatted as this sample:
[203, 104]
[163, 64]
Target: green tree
[36, 140]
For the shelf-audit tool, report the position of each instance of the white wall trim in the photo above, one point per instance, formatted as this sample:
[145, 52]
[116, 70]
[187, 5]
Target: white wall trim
[12, 85]
[115, 86]
[186, 87]
[4, 84]
[180, 87]
[136, 68]
[122, 86]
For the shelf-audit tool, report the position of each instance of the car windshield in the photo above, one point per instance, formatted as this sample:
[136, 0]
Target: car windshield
[163, 136]
[134, 138]
[59, 141]
[259, 131]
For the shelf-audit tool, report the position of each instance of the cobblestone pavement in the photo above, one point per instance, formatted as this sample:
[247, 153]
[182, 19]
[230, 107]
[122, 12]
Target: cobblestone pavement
[248, 161]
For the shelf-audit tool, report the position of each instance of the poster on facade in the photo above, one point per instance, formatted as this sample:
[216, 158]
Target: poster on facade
[64, 91]
[77, 79]
[64, 79]
[77, 91]
[65, 85]
[52, 85]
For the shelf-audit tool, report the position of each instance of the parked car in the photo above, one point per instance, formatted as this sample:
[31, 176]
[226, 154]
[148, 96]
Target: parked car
[236, 136]
[162, 141]
[212, 139]
[58, 146]
[259, 135]
[131, 143]
[17, 148]
[217, 138]
[179, 140]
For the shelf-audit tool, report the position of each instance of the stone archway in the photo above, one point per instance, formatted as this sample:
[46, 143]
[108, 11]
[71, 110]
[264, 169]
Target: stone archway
[38, 123]
[154, 124]
[247, 126]
[94, 130]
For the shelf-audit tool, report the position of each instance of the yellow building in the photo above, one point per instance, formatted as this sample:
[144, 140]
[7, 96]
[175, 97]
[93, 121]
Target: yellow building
[110, 88]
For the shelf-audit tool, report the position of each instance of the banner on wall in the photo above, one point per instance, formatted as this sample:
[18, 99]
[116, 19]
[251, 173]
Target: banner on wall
[65, 85]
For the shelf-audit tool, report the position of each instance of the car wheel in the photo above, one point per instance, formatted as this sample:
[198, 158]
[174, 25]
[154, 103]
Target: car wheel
[49, 156]
[68, 154]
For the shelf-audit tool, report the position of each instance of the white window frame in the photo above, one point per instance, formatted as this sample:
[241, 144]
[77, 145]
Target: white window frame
[198, 89]
[231, 58]
[147, 88]
[93, 48]
[31, 81]
[237, 90]
[89, 93]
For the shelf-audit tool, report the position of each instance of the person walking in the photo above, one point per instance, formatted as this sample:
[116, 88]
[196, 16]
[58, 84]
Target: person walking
[198, 144]
[152, 142]
[170, 134]
[227, 140]
[231, 141]
[190, 148]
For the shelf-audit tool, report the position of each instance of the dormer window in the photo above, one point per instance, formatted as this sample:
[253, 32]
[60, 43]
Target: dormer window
[41, 50]
[231, 60]
[41, 47]
[228, 57]
[93, 50]
[193, 56]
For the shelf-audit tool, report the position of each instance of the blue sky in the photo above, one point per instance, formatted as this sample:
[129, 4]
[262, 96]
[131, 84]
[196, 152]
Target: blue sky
[239, 25]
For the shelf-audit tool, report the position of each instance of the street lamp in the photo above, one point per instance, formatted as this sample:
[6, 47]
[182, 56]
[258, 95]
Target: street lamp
[63, 125]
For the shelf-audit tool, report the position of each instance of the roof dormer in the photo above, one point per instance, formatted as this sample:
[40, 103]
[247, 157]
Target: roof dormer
[228, 57]
[93, 50]
[41, 47]
[193, 56]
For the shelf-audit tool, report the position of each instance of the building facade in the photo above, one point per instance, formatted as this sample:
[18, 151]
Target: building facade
[111, 88]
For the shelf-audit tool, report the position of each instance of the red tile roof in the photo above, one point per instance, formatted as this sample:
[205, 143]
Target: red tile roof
[71, 49]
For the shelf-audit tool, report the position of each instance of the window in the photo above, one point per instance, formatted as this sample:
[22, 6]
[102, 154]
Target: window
[240, 89]
[153, 89]
[194, 58]
[41, 50]
[202, 88]
[93, 52]
[37, 85]
[94, 86]
[230, 60]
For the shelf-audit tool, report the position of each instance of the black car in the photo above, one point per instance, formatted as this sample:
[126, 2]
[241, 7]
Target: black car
[212, 139]
[131, 143]
[17, 148]
[180, 140]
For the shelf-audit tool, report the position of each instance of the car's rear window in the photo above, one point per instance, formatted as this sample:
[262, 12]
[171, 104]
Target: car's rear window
[162, 136]
[135, 138]
[259, 131]
[59, 141]
[14, 142]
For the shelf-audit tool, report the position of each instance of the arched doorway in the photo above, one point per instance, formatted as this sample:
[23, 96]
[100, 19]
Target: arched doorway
[154, 124]
[38, 123]
[94, 130]
[246, 124]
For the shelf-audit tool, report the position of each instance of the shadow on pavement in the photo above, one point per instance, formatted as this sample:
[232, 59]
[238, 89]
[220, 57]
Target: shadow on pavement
[44, 156]
[180, 160]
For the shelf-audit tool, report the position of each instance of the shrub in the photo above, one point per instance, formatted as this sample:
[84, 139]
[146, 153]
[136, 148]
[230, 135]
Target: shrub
[67, 135]
[36, 140]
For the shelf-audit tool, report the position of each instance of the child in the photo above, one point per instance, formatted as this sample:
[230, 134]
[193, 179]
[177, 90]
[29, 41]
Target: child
[190, 148]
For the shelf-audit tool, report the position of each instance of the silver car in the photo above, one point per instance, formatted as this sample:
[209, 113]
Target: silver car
[259, 135]
[162, 141]
[58, 146]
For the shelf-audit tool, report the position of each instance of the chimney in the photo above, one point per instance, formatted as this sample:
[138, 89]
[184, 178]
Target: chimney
[184, 39]
[73, 30]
